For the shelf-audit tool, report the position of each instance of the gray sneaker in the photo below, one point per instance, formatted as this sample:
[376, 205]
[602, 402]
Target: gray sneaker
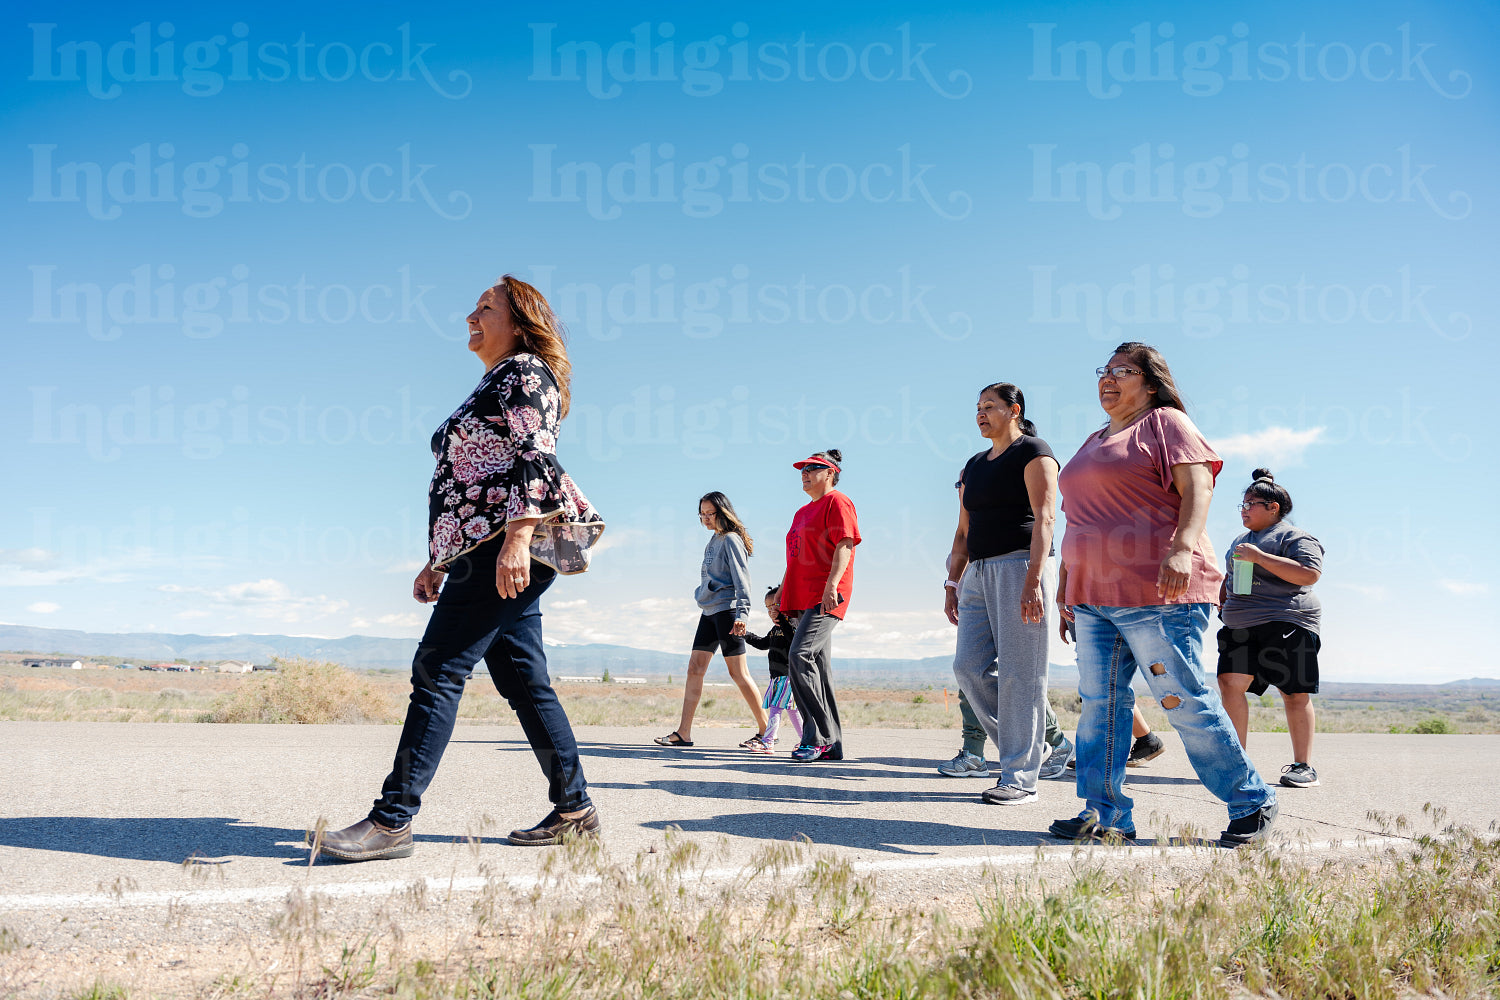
[1056, 765]
[965, 765]
[1299, 775]
[1008, 795]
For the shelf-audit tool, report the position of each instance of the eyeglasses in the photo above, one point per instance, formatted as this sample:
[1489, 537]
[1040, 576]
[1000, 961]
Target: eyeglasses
[813, 468]
[1118, 371]
[1257, 503]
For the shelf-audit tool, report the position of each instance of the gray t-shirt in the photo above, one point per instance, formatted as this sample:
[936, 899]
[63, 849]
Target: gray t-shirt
[1272, 599]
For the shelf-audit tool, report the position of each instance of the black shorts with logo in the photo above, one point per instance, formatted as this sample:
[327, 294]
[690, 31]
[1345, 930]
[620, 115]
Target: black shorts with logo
[1276, 654]
[713, 634]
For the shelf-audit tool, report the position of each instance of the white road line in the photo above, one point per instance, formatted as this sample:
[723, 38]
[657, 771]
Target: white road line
[340, 890]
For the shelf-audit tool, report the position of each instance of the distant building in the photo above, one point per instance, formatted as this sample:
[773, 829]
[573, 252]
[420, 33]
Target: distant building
[63, 663]
[234, 666]
[265, 666]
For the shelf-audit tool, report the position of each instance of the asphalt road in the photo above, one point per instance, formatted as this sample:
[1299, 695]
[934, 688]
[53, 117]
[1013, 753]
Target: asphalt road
[95, 813]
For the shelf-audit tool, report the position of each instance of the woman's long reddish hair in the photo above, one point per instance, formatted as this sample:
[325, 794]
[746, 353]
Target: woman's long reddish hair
[541, 332]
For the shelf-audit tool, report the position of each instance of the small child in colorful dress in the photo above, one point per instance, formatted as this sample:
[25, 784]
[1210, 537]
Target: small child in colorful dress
[778, 697]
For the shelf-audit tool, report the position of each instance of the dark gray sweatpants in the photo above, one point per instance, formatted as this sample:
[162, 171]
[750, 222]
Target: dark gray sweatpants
[810, 663]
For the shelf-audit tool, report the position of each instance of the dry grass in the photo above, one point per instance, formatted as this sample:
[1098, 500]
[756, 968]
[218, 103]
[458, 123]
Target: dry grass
[324, 692]
[309, 692]
[1415, 921]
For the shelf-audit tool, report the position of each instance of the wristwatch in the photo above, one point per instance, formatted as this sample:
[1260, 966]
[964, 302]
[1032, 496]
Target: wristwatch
[951, 583]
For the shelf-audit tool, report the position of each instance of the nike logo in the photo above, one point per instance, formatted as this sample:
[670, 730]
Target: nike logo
[1290, 634]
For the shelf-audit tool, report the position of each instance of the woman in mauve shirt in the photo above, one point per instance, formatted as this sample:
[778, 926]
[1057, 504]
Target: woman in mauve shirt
[1139, 578]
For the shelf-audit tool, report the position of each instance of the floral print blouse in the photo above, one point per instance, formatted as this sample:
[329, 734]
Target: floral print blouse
[497, 462]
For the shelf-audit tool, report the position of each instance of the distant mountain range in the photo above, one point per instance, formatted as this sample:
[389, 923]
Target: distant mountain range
[364, 652]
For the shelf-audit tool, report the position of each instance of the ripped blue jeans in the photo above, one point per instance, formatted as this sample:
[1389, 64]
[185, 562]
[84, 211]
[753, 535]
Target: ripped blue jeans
[1166, 642]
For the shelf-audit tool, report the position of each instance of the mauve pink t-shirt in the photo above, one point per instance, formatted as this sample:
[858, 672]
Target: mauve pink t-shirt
[1122, 511]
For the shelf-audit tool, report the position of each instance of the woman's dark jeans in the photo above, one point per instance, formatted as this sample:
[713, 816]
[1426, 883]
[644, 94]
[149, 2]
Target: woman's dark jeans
[471, 620]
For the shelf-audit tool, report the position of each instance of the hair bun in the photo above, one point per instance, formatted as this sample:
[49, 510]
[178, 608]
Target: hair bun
[836, 455]
[1265, 474]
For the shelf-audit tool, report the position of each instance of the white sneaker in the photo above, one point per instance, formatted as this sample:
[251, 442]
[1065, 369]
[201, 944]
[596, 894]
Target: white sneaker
[1056, 765]
[965, 765]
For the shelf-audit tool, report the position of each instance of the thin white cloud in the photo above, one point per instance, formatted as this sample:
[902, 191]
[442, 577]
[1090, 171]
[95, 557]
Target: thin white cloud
[44, 608]
[1277, 445]
[266, 599]
[1370, 591]
[39, 568]
[26, 557]
[582, 602]
[1464, 588]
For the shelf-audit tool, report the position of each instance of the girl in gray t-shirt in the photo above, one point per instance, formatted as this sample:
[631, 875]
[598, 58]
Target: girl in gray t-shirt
[1271, 634]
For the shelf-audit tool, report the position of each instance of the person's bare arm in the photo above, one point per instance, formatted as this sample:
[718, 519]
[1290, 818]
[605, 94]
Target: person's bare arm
[513, 568]
[842, 553]
[958, 560]
[427, 585]
[1064, 612]
[1041, 489]
[1289, 570]
[1195, 484]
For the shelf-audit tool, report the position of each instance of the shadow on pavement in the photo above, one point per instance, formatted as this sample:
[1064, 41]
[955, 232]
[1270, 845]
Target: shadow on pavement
[892, 836]
[212, 839]
[765, 792]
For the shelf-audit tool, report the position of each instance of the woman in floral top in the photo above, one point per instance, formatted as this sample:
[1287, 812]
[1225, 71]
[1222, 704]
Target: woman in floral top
[503, 520]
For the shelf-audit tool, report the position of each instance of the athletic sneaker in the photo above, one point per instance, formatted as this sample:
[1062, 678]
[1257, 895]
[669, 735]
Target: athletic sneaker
[1249, 829]
[1085, 826]
[1056, 765]
[1148, 747]
[1008, 795]
[1299, 775]
[806, 753]
[965, 765]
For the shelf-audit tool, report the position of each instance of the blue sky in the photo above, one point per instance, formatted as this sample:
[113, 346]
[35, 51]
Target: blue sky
[233, 299]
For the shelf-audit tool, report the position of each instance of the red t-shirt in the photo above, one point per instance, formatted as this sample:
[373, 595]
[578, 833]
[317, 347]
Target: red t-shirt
[816, 531]
[1122, 512]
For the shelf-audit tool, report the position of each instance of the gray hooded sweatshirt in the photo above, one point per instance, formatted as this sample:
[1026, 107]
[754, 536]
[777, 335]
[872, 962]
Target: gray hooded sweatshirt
[725, 582]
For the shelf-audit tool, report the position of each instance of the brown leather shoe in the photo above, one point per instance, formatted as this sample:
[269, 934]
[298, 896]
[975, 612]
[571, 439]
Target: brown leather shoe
[554, 828]
[367, 841]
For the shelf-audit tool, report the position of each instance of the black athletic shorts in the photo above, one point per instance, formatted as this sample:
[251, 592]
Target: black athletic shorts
[1276, 654]
[713, 633]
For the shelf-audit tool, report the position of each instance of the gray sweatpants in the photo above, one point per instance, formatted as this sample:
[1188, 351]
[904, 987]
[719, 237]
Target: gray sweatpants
[810, 671]
[1001, 662]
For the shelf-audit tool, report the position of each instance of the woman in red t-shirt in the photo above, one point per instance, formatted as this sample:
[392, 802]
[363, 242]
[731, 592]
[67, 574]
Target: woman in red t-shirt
[815, 595]
[1138, 579]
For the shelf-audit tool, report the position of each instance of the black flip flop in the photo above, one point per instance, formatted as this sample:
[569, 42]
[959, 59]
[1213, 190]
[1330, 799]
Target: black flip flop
[673, 739]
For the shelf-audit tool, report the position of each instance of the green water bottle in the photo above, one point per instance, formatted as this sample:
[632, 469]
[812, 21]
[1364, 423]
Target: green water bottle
[1244, 576]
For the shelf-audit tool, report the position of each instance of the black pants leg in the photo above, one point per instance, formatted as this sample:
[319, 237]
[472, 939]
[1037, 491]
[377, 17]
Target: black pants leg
[470, 621]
